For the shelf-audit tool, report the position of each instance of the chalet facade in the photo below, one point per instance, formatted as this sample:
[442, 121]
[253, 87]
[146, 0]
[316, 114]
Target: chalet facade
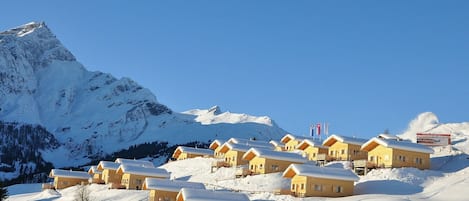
[182, 153]
[262, 161]
[67, 178]
[233, 153]
[345, 148]
[310, 180]
[312, 149]
[397, 153]
[108, 169]
[190, 194]
[215, 146]
[134, 176]
[165, 189]
[96, 175]
[291, 141]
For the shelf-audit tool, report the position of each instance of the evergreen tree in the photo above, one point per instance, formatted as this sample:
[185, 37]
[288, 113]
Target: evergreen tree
[3, 193]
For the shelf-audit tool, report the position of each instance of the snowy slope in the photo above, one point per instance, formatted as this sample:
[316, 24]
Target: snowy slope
[93, 113]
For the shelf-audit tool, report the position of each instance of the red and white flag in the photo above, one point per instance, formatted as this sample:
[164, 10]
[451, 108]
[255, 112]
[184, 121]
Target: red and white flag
[318, 128]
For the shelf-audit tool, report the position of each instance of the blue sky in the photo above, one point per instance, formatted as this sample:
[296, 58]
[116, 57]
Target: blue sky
[362, 66]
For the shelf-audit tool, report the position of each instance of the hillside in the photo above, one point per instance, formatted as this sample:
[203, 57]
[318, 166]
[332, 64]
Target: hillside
[446, 180]
[91, 115]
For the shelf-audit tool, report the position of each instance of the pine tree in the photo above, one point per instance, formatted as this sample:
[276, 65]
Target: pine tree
[3, 193]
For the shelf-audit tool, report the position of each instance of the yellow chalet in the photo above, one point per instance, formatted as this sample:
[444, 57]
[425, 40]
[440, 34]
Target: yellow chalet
[215, 146]
[291, 141]
[312, 148]
[345, 148]
[165, 189]
[96, 175]
[263, 161]
[191, 194]
[182, 152]
[310, 180]
[134, 176]
[108, 169]
[277, 145]
[233, 153]
[397, 153]
[67, 178]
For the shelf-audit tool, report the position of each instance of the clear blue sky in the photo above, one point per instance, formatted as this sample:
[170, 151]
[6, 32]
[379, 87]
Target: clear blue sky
[363, 66]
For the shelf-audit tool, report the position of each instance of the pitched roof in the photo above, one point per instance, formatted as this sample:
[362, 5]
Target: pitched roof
[289, 137]
[94, 170]
[107, 165]
[169, 185]
[310, 142]
[348, 140]
[276, 155]
[236, 147]
[320, 172]
[251, 143]
[215, 144]
[395, 144]
[135, 162]
[69, 174]
[205, 195]
[192, 150]
[144, 171]
[275, 143]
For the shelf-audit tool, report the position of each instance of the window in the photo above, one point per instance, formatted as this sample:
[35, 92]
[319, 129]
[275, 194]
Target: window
[275, 167]
[372, 158]
[252, 167]
[292, 187]
[342, 151]
[338, 189]
[260, 166]
[332, 153]
[317, 187]
[314, 154]
[302, 186]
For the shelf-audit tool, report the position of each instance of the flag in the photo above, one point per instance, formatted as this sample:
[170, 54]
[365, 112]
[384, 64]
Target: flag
[311, 131]
[318, 128]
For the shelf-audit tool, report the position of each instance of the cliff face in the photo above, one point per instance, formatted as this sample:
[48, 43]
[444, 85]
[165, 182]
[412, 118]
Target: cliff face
[86, 114]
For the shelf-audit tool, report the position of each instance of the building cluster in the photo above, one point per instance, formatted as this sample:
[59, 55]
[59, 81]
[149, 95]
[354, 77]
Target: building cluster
[297, 158]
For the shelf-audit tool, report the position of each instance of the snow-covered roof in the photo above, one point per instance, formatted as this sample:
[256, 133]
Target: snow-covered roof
[236, 147]
[395, 144]
[251, 143]
[388, 136]
[276, 155]
[275, 143]
[134, 162]
[310, 142]
[94, 170]
[344, 139]
[289, 137]
[144, 171]
[169, 185]
[108, 165]
[189, 194]
[320, 172]
[192, 150]
[69, 174]
[216, 143]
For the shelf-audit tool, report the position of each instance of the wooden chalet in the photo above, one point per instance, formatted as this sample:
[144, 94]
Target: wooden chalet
[183, 152]
[263, 161]
[397, 153]
[67, 178]
[134, 176]
[345, 148]
[165, 189]
[190, 194]
[310, 180]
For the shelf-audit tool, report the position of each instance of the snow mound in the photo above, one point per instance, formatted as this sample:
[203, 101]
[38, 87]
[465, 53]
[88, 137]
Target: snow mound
[421, 124]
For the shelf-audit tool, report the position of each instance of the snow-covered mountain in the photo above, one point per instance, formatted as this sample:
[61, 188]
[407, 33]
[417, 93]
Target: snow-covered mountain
[92, 114]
